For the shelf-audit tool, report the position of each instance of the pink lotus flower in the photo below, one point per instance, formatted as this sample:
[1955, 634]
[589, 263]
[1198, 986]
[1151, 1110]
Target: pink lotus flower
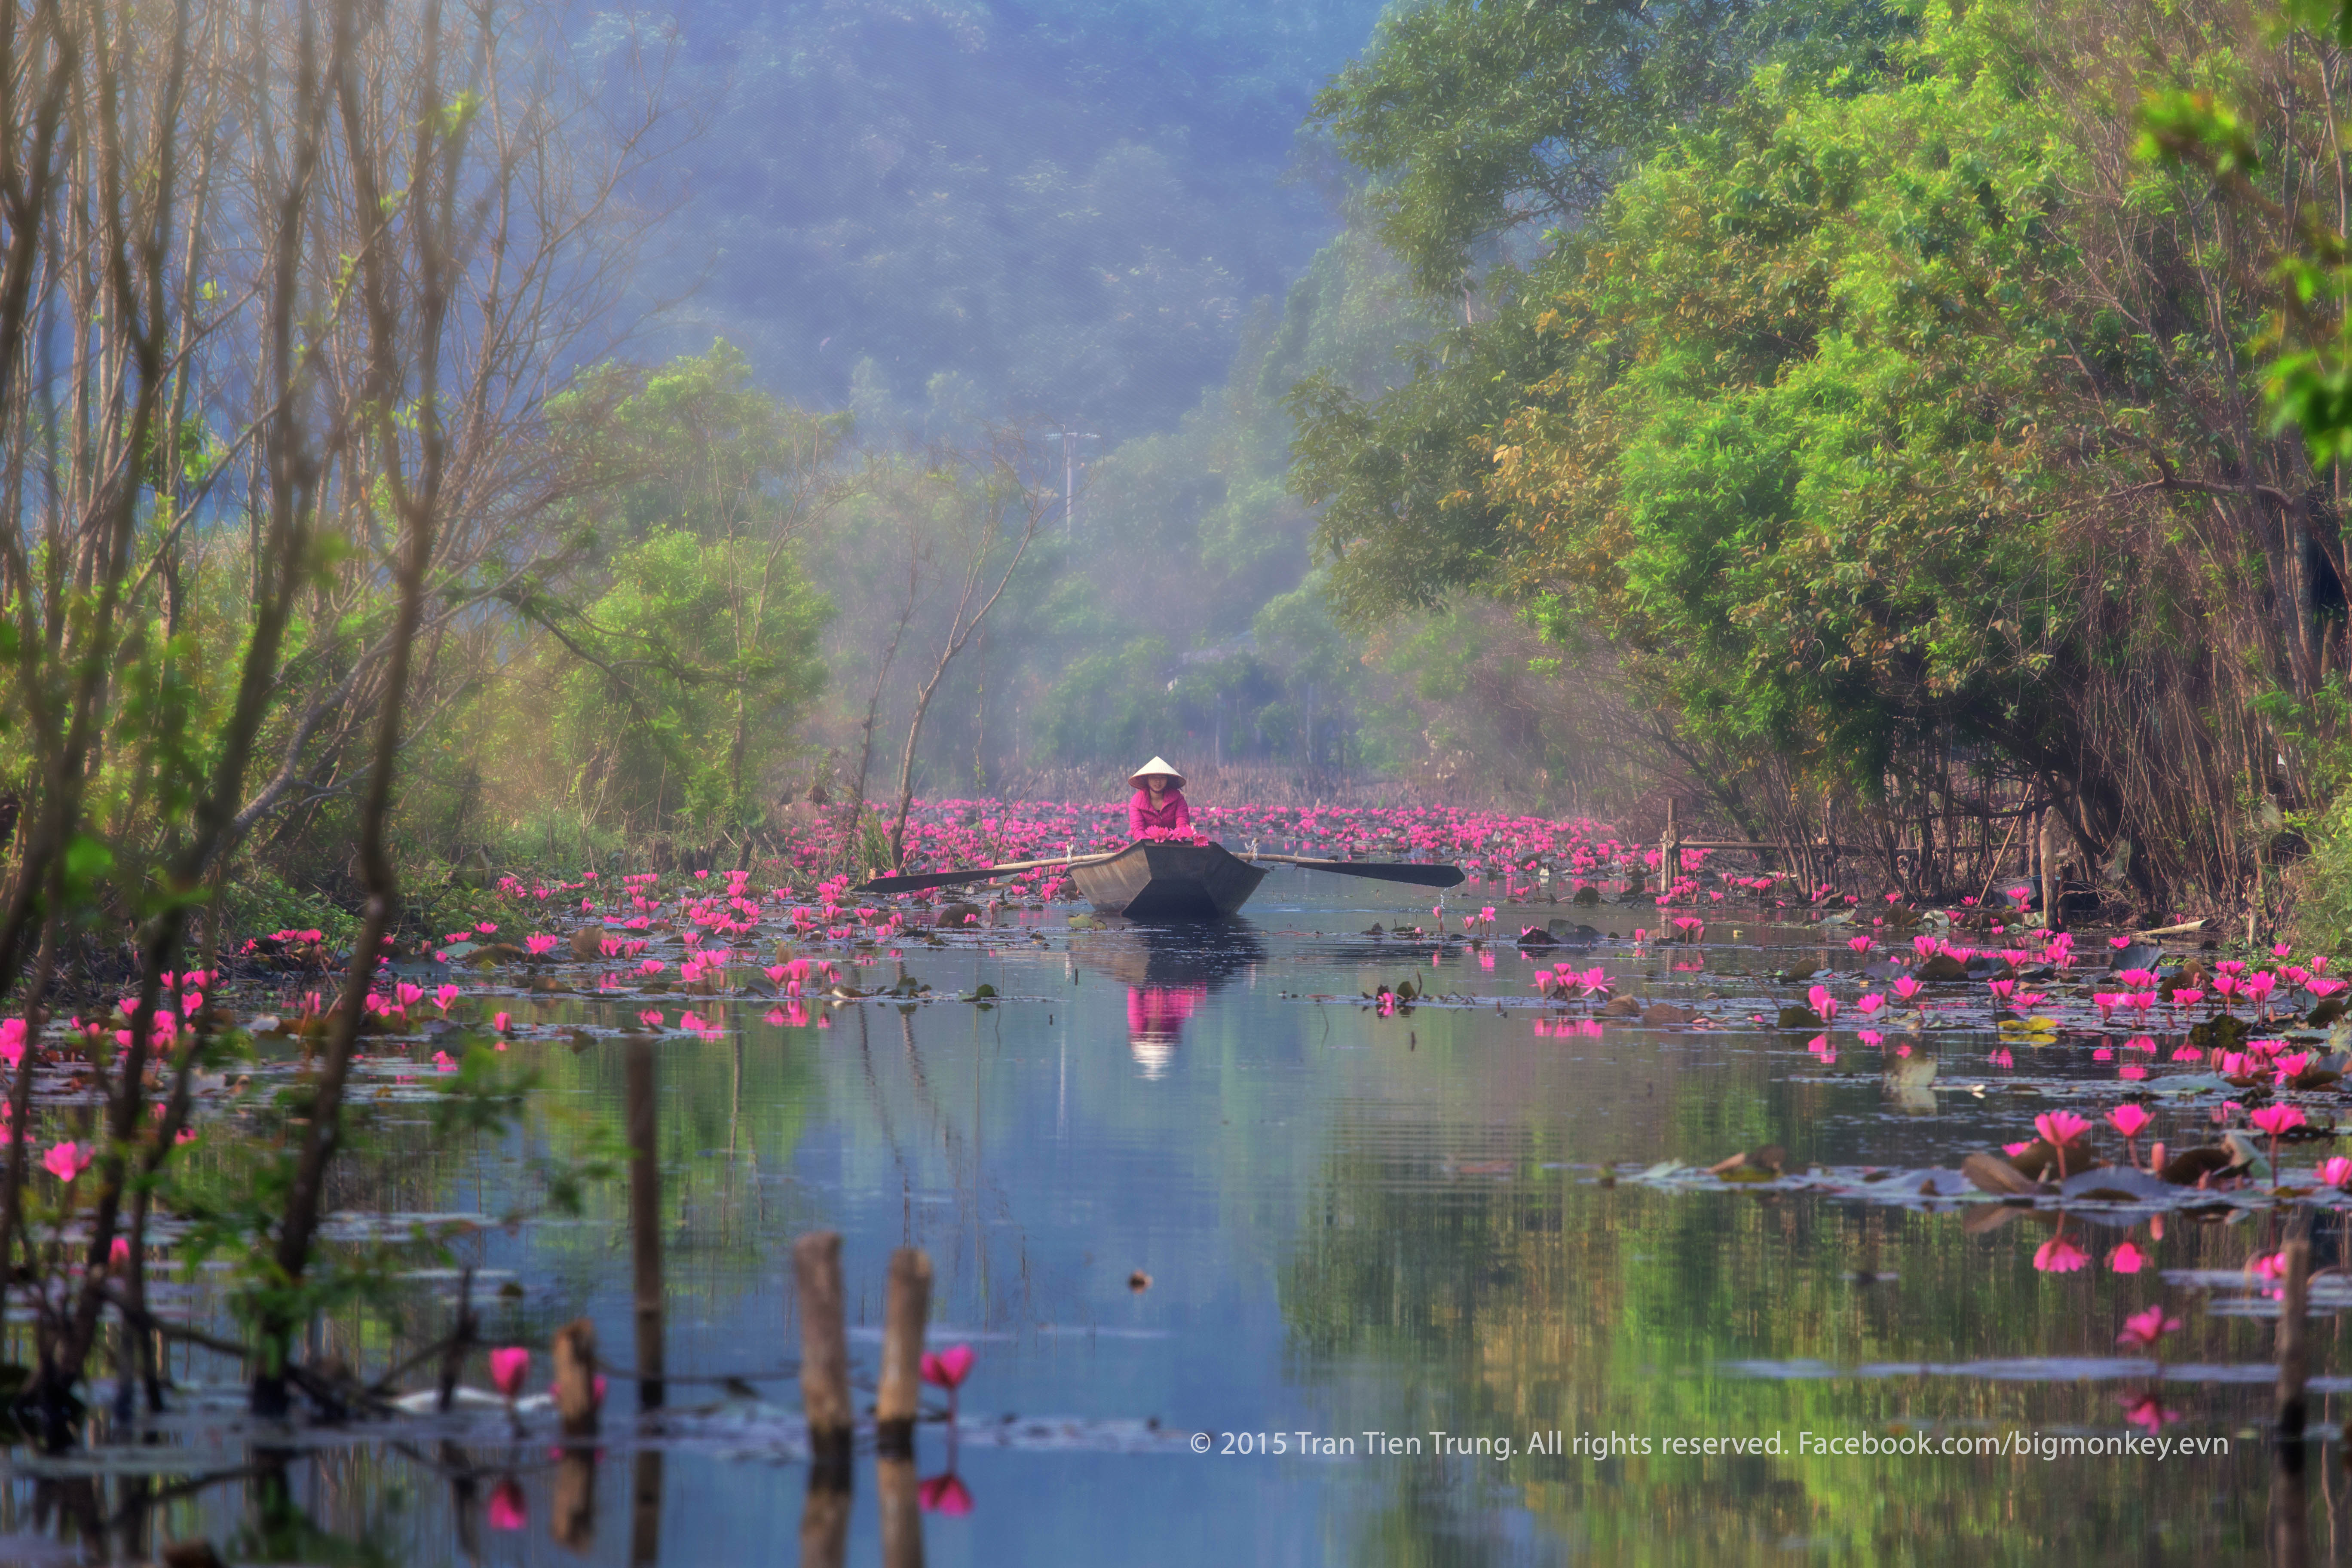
[2126, 1259]
[944, 1494]
[445, 996]
[509, 1366]
[508, 1508]
[1907, 988]
[1825, 1005]
[2142, 1330]
[2127, 1120]
[947, 1368]
[66, 1161]
[2059, 1128]
[2335, 1171]
[2059, 1255]
[2275, 1119]
[502, 1022]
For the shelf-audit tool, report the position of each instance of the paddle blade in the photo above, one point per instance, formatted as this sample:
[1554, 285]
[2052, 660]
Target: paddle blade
[916, 884]
[1419, 874]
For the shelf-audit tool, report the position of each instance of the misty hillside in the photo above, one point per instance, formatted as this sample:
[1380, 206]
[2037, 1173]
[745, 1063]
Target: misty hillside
[1062, 210]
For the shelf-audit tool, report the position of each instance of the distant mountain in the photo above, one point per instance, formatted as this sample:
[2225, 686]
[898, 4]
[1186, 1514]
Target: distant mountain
[935, 212]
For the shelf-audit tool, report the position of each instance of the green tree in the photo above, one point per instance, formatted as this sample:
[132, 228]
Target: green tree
[688, 684]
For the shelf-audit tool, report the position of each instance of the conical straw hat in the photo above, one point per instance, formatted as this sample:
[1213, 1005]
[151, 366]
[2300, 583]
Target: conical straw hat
[1156, 765]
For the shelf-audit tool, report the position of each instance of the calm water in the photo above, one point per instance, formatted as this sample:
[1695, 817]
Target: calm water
[1351, 1224]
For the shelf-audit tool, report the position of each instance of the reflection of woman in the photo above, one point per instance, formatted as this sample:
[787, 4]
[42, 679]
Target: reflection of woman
[1155, 1022]
[1159, 801]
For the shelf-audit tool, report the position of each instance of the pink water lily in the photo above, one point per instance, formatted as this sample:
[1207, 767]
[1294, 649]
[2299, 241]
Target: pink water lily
[2059, 1255]
[2143, 1330]
[2060, 1127]
[509, 1366]
[947, 1368]
[2275, 1119]
[66, 1161]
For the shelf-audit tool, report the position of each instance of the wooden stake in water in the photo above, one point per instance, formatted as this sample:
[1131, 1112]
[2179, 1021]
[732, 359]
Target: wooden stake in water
[825, 1526]
[825, 1358]
[574, 1524]
[645, 1221]
[575, 1377]
[902, 1516]
[906, 1313]
[646, 1510]
[2289, 1506]
[2049, 849]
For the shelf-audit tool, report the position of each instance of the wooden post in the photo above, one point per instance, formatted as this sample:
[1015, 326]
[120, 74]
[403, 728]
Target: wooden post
[2049, 892]
[825, 1526]
[575, 1377]
[2289, 1506]
[824, 1360]
[902, 1517]
[906, 1313]
[574, 1524]
[1670, 850]
[646, 1510]
[645, 1221]
[462, 1335]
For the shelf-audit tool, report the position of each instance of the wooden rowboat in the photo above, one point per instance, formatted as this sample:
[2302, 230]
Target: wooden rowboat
[1168, 882]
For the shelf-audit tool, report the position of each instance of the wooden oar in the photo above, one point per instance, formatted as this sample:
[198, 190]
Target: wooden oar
[1420, 874]
[922, 879]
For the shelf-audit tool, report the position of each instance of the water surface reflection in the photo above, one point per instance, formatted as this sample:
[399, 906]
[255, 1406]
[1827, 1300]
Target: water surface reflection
[1179, 1181]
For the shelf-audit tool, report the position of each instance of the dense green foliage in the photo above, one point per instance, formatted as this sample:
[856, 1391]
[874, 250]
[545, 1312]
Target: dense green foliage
[688, 688]
[1882, 418]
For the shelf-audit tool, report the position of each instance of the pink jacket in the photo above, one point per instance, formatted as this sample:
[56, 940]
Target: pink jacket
[1173, 815]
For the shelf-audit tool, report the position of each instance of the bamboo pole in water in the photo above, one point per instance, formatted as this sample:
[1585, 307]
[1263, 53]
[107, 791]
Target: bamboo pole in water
[825, 1526]
[574, 1524]
[646, 1510]
[906, 1312]
[575, 1376]
[2289, 1506]
[825, 1358]
[645, 1221]
[902, 1518]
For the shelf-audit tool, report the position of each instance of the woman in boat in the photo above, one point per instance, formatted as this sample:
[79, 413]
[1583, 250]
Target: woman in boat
[1159, 801]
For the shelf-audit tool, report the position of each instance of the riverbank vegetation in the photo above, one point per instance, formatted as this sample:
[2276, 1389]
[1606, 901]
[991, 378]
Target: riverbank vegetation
[1916, 418]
